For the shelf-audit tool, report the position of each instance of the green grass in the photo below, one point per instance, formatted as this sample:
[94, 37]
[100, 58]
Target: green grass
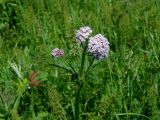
[125, 86]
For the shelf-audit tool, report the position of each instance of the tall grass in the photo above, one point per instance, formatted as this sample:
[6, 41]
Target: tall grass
[125, 86]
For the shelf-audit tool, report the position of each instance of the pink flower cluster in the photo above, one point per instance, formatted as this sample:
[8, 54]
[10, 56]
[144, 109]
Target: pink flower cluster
[57, 52]
[98, 46]
[83, 33]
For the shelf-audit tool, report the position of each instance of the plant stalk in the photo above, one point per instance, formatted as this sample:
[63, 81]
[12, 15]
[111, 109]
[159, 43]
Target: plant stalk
[91, 63]
[77, 98]
[83, 61]
[80, 83]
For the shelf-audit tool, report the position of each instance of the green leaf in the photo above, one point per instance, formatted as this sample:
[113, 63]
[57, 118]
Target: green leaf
[62, 67]
[42, 115]
[20, 91]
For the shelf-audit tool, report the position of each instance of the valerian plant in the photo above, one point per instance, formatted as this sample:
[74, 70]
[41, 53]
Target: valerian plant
[96, 47]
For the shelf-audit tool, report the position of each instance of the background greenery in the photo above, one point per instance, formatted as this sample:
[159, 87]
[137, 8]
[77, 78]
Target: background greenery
[125, 86]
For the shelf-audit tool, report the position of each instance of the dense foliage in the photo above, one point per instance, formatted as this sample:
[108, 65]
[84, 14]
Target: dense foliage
[125, 86]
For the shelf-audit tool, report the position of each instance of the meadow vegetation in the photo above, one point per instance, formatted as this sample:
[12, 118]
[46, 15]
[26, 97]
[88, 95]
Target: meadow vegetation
[125, 86]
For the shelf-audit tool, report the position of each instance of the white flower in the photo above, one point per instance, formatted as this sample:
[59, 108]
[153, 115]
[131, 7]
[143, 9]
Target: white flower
[98, 46]
[83, 33]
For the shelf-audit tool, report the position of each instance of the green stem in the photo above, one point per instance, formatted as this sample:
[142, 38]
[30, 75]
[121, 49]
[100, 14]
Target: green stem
[79, 87]
[77, 98]
[83, 60]
[80, 84]
[89, 66]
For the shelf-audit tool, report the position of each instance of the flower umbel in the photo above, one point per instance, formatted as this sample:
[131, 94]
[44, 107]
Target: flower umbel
[83, 33]
[98, 46]
[57, 52]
